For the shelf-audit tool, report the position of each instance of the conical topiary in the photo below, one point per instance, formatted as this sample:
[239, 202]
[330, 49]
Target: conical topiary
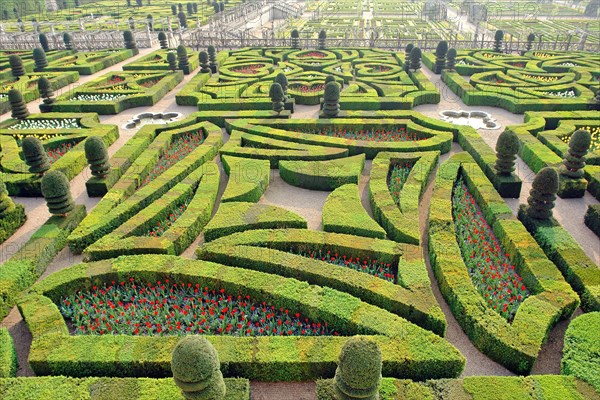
[407, 51]
[322, 39]
[196, 369]
[182, 19]
[507, 148]
[68, 41]
[331, 100]
[276, 94]
[45, 89]
[16, 65]
[172, 60]
[204, 65]
[44, 42]
[173, 9]
[530, 39]
[97, 156]
[295, 39]
[283, 81]
[35, 155]
[329, 78]
[574, 160]
[212, 56]
[498, 38]
[39, 56]
[440, 56]
[129, 40]
[451, 59]
[6, 203]
[415, 58]
[358, 374]
[543, 194]
[17, 104]
[182, 59]
[162, 39]
[57, 193]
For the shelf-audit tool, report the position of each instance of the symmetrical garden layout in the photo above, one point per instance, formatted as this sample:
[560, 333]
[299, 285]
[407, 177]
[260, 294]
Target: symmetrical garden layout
[184, 238]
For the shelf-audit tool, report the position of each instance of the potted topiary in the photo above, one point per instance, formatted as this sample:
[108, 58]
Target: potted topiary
[331, 100]
[35, 155]
[182, 59]
[543, 194]
[358, 374]
[204, 65]
[39, 57]
[507, 148]
[574, 160]
[97, 156]
[57, 193]
[276, 94]
[17, 104]
[440, 56]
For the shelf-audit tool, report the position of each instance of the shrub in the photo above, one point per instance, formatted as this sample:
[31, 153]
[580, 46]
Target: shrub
[6, 203]
[195, 366]
[16, 65]
[277, 97]
[17, 104]
[97, 156]
[407, 51]
[39, 56]
[44, 42]
[507, 148]
[451, 59]
[440, 56]
[581, 349]
[172, 60]
[204, 65]
[162, 39]
[415, 58]
[150, 20]
[543, 193]
[574, 160]
[190, 8]
[173, 9]
[329, 78]
[283, 81]
[35, 155]
[358, 374]
[129, 40]
[295, 39]
[8, 355]
[331, 100]
[221, 6]
[498, 39]
[182, 19]
[530, 39]
[182, 59]
[56, 191]
[68, 41]
[322, 39]
[212, 56]
[131, 23]
[45, 89]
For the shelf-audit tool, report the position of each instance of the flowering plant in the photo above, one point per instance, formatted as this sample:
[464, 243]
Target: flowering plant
[391, 134]
[37, 124]
[97, 97]
[397, 178]
[56, 152]
[164, 224]
[305, 89]
[367, 265]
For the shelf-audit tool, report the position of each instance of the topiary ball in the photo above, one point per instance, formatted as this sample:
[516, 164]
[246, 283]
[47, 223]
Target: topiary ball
[56, 190]
[195, 361]
[332, 92]
[546, 181]
[580, 142]
[329, 78]
[358, 374]
[203, 57]
[35, 155]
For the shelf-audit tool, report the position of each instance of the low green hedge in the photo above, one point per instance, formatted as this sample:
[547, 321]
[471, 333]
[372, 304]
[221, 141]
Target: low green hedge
[11, 221]
[408, 351]
[515, 345]
[278, 251]
[157, 61]
[64, 388]
[322, 175]
[592, 218]
[31, 260]
[579, 270]
[240, 104]
[240, 216]
[248, 179]
[85, 67]
[188, 96]
[581, 349]
[8, 355]
[219, 117]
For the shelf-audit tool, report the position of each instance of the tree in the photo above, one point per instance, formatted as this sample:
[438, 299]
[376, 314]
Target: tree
[16, 66]
[204, 65]
[35, 155]
[322, 39]
[39, 57]
[295, 39]
[137, 2]
[415, 58]
[182, 59]
[77, 3]
[97, 156]
[129, 40]
[331, 100]
[172, 61]
[182, 19]
[17, 104]
[131, 23]
[574, 160]
[276, 94]
[212, 56]
[543, 194]
[507, 148]
[195, 8]
[190, 8]
[128, 3]
[530, 39]
[216, 7]
[180, 7]
[45, 89]
[68, 41]
[283, 81]
[173, 9]
[162, 39]
[407, 51]
[150, 20]
[6, 204]
[329, 78]
[440, 56]
[358, 374]
[221, 6]
[451, 59]
[498, 38]
[57, 192]
[44, 42]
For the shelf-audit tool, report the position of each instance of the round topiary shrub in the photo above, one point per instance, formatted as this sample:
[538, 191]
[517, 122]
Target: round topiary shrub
[68, 41]
[295, 39]
[6, 203]
[358, 374]
[415, 58]
[507, 148]
[204, 65]
[182, 19]
[39, 57]
[44, 42]
[57, 193]
[440, 56]
[97, 156]
[182, 59]
[35, 155]
[407, 51]
[129, 40]
[162, 39]
[172, 61]
[45, 89]
[498, 39]
[322, 39]
[17, 104]
[329, 78]
[196, 369]
[574, 160]
[173, 9]
[543, 194]
[16, 65]
[331, 100]
[277, 97]
[283, 81]
[451, 59]
[212, 56]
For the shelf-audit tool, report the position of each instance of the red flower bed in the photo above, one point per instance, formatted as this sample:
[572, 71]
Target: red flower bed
[312, 54]
[164, 224]
[489, 266]
[170, 308]
[248, 69]
[371, 135]
[56, 152]
[113, 81]
[304, 89]
[149, 84]
[397, 178]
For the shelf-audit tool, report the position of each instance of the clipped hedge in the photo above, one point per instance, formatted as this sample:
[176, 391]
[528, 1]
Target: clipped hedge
[157, 61]
[248, 179]
[11, 221]
[322, 175]
[581, 349]
[89, 63]
[8, 355]
[592, 218]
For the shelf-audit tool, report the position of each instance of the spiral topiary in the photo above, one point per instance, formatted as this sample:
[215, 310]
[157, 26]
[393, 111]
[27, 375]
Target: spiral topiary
[440, 56]
[498, 38]
[195, 366]
[182, 59]
[277, 97]
[530, 39]
[212, 56]
[97, 156]
[507, 148]
[204, 65]
[543, 193]
[295, 39]
[68, 41]
[44, 42]
[16, 65]
[358, 374]
[407, 51]
[172, 61]
[331, 100]
[39, 56]
[451, 59]
[415, 58]
[56, 191]
[45, 89]
[322, 39]
[17, 104]
[162, 39]
[6, 203]
[35, 155]
[574, 160]
[129, 40]
[283, 81]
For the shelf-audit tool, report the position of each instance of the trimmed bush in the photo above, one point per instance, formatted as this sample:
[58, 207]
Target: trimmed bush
[322, 175]
[295, 39]
[129, 40]
[574, 160]
[407, 52]
[543, 194]
[277, 97]
[451, 59]
[498, 40]
[6, 204]
[182, 59]
[173, 9]
[68, 41]
[12, 216]
[322, 39]
[581, 349]
[204, 62]
[530, 39]
[97, 156]
[8, 355]
[17, 104]
[45, 89]
[358, 374]
[182, 19]
[331, 100]
[415, 59]
[507, 148]
[162, 39]
[248, 179]
[16, 65]
[592, 218]
[283, 81]
[212, 56]
[35, 155]
[172, 61]
[57, 193]
[440, 56]
[44, 42]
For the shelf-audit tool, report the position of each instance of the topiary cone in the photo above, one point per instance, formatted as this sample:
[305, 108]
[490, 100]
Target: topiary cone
[44, 42]
[498, 38]
[407, 51]
[56, 191]
[574, 160]
[162, 39]
[204, 65]
[172, 60]
[295, 39]
[415, 58]
[507, 148]
[543, 194]
[331, 100]
[196, 369]
[283, 81]
[97, 156]
[276, 94]
[39, 56]
[35, 155]
[358, 374]
[451, 59]
[16, 65]
[129, 40]
[17, 104]
[212, 56]
[45, 89]
[6, 203]
[182, 59]
[440, 56]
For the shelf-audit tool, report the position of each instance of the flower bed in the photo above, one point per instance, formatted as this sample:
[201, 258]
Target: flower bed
[372, 135]
[171, 308]
[164, 224]
[397, 178]
[566, 93]
[97, 97]
[56, 152]
[488, 265]
[248, 69]
[314, 88]
[312, 54]
[594, 131]
[38, 124]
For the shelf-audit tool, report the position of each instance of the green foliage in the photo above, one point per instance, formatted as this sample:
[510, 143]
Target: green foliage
[295, 39]
[8, 355]
[182, 19]
[45, 89]
[182, 59]
[507, 148]
[322, 175]
[204, 62]
[212, 56]
[530, 39]
[322, 39]
[498, 39]
[39, 56]
[35, 155]
[248, 179]
[97, 156]
[129, 40]
[451, 59]
[543, 194]
[172, 60]
[17, 104]
[68, 41]
[283, 81]
[7, 206]
[331, 100]
[581, 349]
[592, 218]
[358, 374]
[407, 52]
[574, 160]
[44, 42]
[162, 39]
[16, 65]
[57, 193]
[277, 97]
[440, 56]
[415, 59]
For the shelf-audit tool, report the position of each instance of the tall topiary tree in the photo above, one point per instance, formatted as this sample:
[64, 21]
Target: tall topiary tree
[172, 61]
[276, 94]
[507, 148]
[415, 58]
[195, 366]
[358, 374]
[451, 59]
[322, 39]
[329, 78]
[180, 7]
[44, 42]
[543, 194]
[283, 81]
[574, 160]
[173, 9]
[68, 41]
[150, 21]
[45, 89]
[162, 39]
[97, 156]
[407, 51]
[295, 39]
[221, 6]
[204, 65]
[182, 59]
[440, 56]
[190, 8]
[57, 192]
[39, 57]
[35, 155]
[498, 39]
[216, 7]
[16, 65]
[530, 39]
[182, 19]
[331, 100]
[129, 40]
[6, 203]
[17, 104]
[212, 56]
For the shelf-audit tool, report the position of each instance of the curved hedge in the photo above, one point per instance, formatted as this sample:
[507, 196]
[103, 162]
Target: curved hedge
[11, 221]
[581, 349]
[592, 218]
[157, 61]
[88, 63]
[322, 175]
[8, 355]
[248, 179]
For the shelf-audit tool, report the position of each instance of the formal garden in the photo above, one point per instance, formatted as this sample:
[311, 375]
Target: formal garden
[315, 220]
